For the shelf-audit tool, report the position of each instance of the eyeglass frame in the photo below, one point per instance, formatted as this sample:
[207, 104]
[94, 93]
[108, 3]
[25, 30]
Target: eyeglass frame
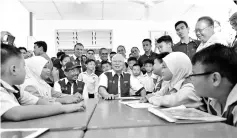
[201, 74]
[201, 30]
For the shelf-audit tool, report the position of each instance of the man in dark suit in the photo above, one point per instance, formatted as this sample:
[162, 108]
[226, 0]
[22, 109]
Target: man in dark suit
[103, 53]
[76, 57]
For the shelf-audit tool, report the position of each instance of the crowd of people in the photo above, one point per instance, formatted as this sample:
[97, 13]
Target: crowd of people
[199, 74]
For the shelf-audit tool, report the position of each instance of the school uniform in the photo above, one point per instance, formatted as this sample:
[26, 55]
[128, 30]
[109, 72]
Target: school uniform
[11, 96]
[91, 83]
[148, 82]
[119, 85]
[77, 61]
[70, 88]
[230, 109]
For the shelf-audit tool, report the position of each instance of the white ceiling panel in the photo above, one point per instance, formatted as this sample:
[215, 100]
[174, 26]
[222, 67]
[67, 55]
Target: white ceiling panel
[40, 7]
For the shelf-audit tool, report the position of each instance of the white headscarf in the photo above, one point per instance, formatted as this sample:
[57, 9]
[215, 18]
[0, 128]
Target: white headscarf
[34, 67]
[180, 66]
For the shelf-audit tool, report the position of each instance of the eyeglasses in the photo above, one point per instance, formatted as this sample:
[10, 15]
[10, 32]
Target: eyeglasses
[104, 53]
[200, 30]
[201, 74]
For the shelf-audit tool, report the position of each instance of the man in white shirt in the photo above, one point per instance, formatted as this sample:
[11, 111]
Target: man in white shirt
[205, 32]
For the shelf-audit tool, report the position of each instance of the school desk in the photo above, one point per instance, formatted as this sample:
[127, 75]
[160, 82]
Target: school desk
[112, 114]
[63, 134]
[76, 119]
[213, 130]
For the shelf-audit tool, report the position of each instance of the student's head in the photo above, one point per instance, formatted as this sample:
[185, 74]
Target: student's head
[131, 61]
[71, 71]
[149, 65]
[53, 59]
[204, 28]
[64, 59]
[12, 65]
[23, 52]
[90, 54]
[125, 69]
[136, 70]
[176, 66]
[78, 50]
[130, 55]
[157, 67]
[182, 29]
[103, 54]
[135, 52]
[214, 71]
[146, 43]
[59, 54]
[165, 44]
[111, 55]
[40, 47]
[38, 67]
[106, 66]
[121, 50]
[90, 64]
[233, 21]
[118, 62]
[84, 58]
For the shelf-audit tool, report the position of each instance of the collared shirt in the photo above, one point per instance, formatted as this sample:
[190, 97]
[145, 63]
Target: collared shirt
[8, 100]
[148, 81]
[134, 83]
[91, 82]
[180, 94]
[79, 62]
[144, 57]
[215, 38]
[189, 48]
[57, 88]
[232, 97]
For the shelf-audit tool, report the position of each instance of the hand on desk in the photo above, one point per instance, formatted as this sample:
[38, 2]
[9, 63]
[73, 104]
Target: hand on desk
[78, 95]
[110, 97]
[69, 100]
[146, 98]
[74, 107]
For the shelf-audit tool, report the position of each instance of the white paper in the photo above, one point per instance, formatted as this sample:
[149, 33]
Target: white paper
[35, 132]
[141, 105]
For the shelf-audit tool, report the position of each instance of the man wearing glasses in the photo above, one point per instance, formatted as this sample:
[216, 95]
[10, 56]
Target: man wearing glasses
[205, 32]
[233, 23]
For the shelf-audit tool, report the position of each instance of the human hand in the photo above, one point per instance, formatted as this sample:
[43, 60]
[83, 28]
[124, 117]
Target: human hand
[110, 97]
[74, 107]
[143, 100]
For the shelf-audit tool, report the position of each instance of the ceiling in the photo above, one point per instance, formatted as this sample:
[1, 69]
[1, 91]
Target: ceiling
[157, 10]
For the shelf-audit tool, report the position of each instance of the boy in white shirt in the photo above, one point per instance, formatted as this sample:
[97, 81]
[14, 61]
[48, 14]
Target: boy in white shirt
[131, 61]
[90, 79]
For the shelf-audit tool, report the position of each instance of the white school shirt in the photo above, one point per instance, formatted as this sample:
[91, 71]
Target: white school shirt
[148, 81]
[8, 100]
[134, 83]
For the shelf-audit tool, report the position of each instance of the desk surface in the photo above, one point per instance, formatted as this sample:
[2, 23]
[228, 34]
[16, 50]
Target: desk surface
[112, 114]
[63, 134]
[214, 130]
[76, 119]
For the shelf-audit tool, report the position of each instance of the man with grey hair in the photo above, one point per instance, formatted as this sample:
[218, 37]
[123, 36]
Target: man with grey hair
[116, 83]
[205, 32]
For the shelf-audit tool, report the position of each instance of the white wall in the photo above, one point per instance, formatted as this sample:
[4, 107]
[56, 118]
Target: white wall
[15, 19]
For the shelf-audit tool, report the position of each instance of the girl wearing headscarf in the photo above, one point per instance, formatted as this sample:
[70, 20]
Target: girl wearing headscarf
[37, 70]
[179, 91]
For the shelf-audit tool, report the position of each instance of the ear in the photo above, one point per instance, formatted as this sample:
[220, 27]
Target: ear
[216, 79]
[13, 70]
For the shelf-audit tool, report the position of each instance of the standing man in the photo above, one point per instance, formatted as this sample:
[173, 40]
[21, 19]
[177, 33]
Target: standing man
[186, 44]
[146, 43]
[90, 54]
[76, 57]
[233, 23]
[103, 53]
[121, 50]
[205, 32]
[135, 52]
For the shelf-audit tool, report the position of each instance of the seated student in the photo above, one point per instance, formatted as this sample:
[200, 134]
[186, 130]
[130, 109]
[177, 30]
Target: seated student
[176, 68]
[37, 70]
[90, 79]
[106, 66]
[118, 83]
[214, 76]
[19, 105]
[131, 61]
[137, 74]
[70, 85]
[63, 60]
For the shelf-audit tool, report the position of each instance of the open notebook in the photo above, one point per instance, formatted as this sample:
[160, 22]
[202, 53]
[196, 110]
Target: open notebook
[22, 133]
[136, 104]
[185, 115]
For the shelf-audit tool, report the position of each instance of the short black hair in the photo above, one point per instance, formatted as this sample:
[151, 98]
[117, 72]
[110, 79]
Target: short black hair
[126, 64]
[80, 44]
[112, 53]
[149, 61]
[22, 48]
[160, 56]
[42, 44]
[165, 38]
[208, 19]
[147, 40]
[59, 54]
[218, 58]
[90, 50]
[89, 60]
[8, 52]
[132, 59]
[63, 57]
[180, 22]
[136, 65]
[105, 62]
[100, 51]
[135, 47]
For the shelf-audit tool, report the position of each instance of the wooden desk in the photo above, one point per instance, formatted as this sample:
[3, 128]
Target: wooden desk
[76, 119]
[213, 130]
[63, 134]
[112, 114]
